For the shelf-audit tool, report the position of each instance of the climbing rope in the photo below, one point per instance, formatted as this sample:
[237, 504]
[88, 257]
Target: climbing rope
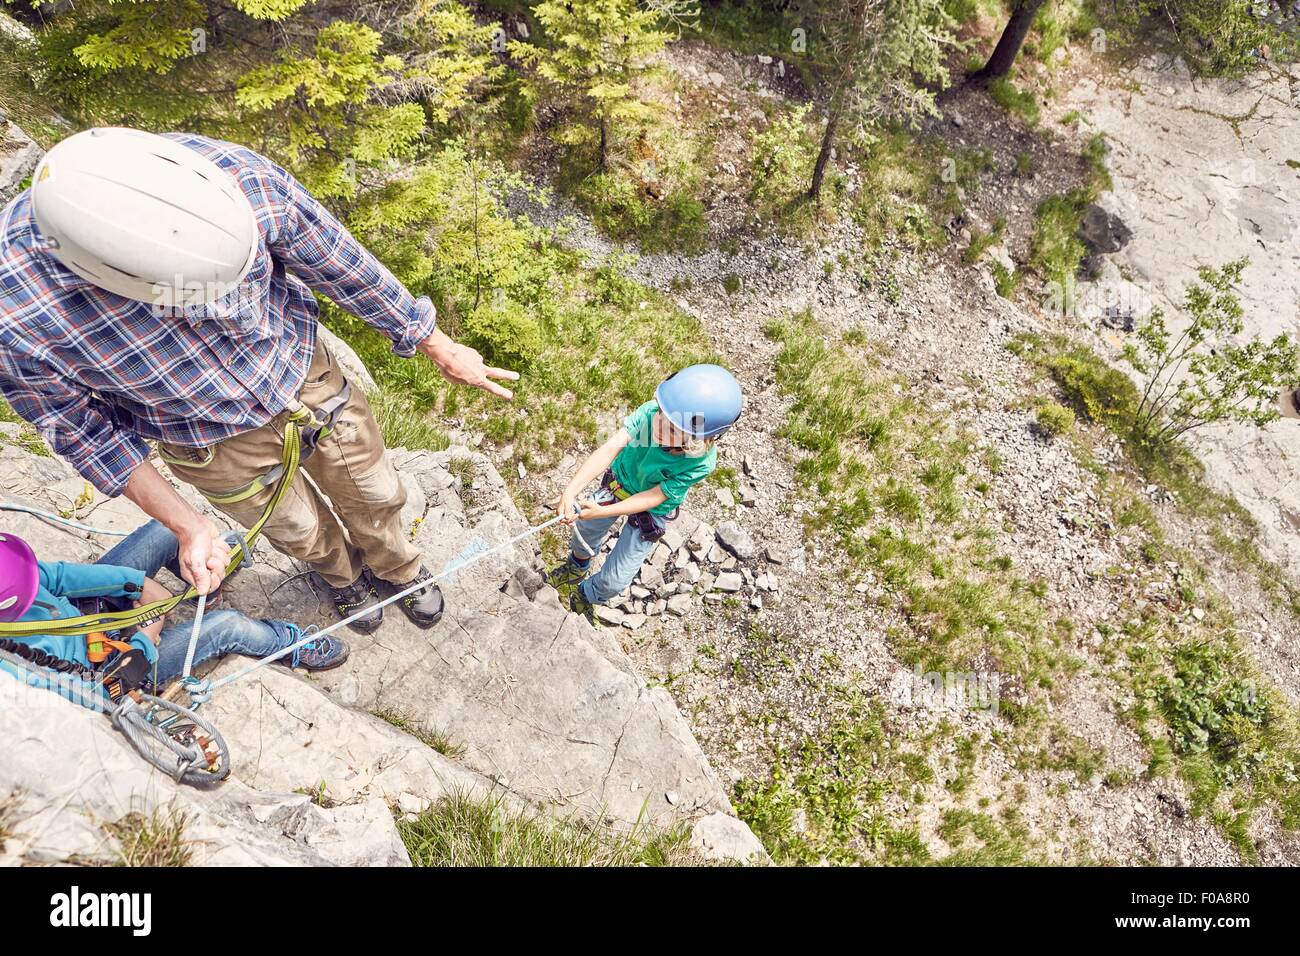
[175, 739]
[201, 691]
[168, 736]
[51, 516]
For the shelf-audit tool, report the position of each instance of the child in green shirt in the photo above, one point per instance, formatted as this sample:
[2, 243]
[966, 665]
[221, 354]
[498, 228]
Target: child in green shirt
[664, 447]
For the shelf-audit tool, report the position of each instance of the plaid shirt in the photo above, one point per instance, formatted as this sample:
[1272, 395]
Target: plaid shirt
[99, 374]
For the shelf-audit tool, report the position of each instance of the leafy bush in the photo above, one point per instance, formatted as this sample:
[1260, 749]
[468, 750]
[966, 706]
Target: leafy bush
[1202, 376]
[1210, 709]
[1056, 249]
[782, 157]
[1055, 419]
[1216, 37]
[506, 332]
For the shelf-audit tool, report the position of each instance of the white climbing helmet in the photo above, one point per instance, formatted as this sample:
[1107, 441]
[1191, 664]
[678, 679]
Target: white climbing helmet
[143, 216]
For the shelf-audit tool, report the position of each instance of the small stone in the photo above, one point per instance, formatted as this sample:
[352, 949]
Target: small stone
[651, 577]
[747, 465]
[523, 472]
[411, 803]
[683, 558]
[655, 608]
[692, 573]
[671, 797]
[633, 621]
[705, 584]
[678, 604]
[736, 540]
[672, 539]
[756, 602]
[716, 555]
[702, 538]
[747, 497]
[862, 587]
[1198, 613]
[608, 615]
[774, 556]
[730, 564]
[639, 592]
[728, 581]
[713, 597]
[725, 497]
[659, 557]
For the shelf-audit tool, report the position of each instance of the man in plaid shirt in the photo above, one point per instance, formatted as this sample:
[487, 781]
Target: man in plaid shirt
[101, 374]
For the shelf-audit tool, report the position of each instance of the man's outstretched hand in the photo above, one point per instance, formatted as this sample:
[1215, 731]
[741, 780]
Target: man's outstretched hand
[465, 366]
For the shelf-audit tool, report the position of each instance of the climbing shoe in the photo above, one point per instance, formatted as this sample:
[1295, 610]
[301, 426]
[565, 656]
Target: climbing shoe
[579, 604]
[321, 654]
[358, 595]
[567, 573]
[424, 608]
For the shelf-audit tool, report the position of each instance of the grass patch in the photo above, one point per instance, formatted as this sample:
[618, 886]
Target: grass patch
[404, 423]
[465, 831]
[1021, 104]
[431, 737]
[157, 839]
[1200, 705]
[891, 486]
[8, 816]
[28, 438]
[981, 242]
[824, 799]
[1056, 249]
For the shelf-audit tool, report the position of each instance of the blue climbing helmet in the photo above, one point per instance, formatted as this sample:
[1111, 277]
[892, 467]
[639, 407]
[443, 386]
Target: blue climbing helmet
[701, 400]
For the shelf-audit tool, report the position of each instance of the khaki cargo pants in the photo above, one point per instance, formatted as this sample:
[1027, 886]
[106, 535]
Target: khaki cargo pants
[350, 468]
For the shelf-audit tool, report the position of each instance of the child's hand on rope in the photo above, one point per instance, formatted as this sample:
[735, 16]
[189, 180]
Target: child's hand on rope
[565, 509]
[591, 510]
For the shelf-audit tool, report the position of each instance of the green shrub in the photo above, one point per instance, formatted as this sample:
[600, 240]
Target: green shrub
[1056, 249]
[1055, 419]
[782, 158]
[507, 333]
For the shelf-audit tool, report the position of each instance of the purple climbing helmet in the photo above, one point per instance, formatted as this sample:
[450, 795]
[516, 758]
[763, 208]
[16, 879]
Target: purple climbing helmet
[18, 577]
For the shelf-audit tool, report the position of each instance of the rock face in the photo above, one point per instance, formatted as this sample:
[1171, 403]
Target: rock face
[542, 709]
[18, 157]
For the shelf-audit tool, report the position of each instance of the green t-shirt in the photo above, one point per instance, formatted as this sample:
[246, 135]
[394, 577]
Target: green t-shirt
[642, 464]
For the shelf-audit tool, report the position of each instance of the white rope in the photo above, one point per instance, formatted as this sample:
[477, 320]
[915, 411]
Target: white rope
[418, 586]
[194, 636]
[62, 520]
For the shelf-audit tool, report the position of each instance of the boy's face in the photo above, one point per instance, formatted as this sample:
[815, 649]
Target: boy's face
[666, 434]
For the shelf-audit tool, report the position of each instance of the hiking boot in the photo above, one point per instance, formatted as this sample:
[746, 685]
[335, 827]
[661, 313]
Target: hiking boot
[321, 654]
[358, 595]
[580, 605]
[567, 573]
[423, 608]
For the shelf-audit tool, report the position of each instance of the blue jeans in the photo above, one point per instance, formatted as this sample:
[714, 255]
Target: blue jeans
[224, 631]
[630, 552]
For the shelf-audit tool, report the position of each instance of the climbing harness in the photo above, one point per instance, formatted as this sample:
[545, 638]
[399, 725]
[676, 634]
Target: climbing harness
[168, 736]
[307, 431]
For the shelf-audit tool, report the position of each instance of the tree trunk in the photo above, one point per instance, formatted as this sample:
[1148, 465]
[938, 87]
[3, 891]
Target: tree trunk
[1013, 38]
[823, 157]
[603, 144]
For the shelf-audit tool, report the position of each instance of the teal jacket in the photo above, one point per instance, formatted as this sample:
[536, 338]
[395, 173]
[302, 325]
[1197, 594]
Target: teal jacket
[60, 583]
